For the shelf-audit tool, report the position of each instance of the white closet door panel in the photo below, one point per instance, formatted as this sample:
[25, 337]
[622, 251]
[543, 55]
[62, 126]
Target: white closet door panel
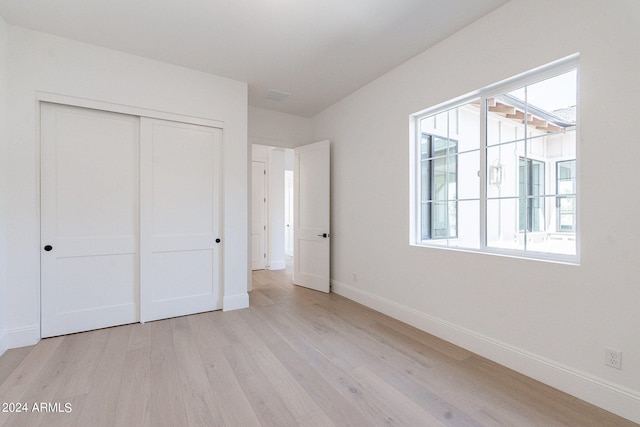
[183, 179]
[191, 280]
[90, 204]
[110, 277]
[96, 167]
[181, 174]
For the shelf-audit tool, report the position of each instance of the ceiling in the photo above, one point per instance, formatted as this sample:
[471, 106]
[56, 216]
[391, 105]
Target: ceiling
[319, 51]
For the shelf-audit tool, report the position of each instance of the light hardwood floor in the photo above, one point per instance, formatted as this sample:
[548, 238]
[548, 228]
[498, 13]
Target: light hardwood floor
[295, 358]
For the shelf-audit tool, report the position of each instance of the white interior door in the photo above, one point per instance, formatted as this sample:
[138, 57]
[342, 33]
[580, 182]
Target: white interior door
[180, 175]
[89, 211]
[258, 216]
[311, 216]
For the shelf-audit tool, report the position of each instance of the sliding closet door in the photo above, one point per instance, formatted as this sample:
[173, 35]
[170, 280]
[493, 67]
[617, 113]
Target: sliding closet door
[89, 210]
[180, 219]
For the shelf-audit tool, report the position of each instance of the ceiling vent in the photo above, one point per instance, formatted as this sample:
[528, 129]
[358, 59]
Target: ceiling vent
[277, 95]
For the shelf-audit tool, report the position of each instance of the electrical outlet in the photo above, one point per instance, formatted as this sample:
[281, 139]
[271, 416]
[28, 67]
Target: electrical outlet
[613, 358]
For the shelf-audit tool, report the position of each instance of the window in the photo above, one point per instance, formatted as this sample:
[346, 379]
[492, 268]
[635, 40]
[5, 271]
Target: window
[496, 171]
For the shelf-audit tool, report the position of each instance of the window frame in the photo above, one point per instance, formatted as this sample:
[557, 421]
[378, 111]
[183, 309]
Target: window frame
[481, 96]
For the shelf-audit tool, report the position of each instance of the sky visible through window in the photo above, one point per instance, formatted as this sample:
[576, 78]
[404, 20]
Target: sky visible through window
[552, 94]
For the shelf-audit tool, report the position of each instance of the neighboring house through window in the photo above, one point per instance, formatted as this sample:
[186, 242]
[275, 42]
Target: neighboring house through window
[566, 201]
[531, 192]
[440, 184]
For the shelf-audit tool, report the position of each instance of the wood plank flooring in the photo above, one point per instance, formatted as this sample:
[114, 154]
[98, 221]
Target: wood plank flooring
[295, 358]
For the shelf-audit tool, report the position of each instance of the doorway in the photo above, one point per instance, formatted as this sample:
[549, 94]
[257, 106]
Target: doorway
[272, 207]
[307, 195]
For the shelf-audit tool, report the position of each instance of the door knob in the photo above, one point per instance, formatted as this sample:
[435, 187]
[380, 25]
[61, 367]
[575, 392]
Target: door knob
[323, 235]
[217, 240]
[48, 248]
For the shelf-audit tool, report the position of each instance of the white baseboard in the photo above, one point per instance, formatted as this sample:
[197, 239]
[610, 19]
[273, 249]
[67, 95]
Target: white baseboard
[235, 302]
[597, 391]
[277, 265]
[22, 337]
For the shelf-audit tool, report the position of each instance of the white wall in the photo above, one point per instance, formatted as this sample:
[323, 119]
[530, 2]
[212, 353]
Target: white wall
[278, 129]
[550, 321]
[3, 182]
[43, 63]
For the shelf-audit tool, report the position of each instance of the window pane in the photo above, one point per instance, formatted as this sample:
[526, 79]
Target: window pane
[438, 187]
[502, 170]
[504, 120]
[536, 146]
[502, 224]
[566, 177]
[537, 178]
[531, 184]
[441, 122]
[425, 180]
[566, 201]
[561, 243]
[566, 213]
[435, 125]
[468, 127]
[555, 242]
[468, 218]
[462, 219]
[425, 221]
[468, 179]
[555, 96]
[439, 179]
[425, 144]
[439, 147]
[439, 220]
[536, 213]
[546, 107]
[523, 216]
[440, 169]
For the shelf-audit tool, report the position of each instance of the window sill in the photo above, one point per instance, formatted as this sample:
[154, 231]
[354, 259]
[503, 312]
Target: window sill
[564, 259]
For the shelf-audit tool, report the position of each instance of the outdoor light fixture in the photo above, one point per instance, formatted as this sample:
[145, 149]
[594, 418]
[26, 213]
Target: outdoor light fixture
[495, 174]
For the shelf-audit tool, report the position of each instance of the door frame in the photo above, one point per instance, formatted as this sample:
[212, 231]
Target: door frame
[265, 214]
